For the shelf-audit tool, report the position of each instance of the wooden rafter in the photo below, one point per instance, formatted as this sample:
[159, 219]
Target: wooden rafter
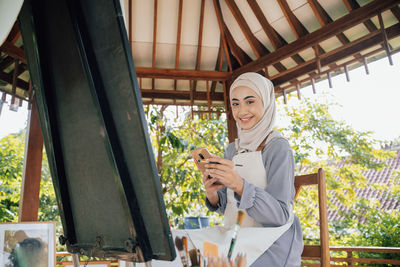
[13, 51]
[182, 95]
[396, 12]
[221, 30]
[298, 29]
[199, 43]
[257, 47]
[14, 34]
[332, 29]
[276, 40]
[8, 61]
[181, 74]
[153, 63]
[342, 52]
[178, 39]
[218, 66]
[324, 18]
[178, 36]
[130, 21]
[351, 5]
[200, 40]
[239, 54]
[8, 78]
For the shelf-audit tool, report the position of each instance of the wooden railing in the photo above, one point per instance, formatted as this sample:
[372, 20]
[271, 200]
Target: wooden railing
[340, 256]
[346, 256]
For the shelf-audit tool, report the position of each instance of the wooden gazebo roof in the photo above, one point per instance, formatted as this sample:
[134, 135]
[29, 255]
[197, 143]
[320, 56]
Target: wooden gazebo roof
[187, 52]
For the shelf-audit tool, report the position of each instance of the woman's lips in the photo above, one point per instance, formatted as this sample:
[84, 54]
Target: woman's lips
[245, 120]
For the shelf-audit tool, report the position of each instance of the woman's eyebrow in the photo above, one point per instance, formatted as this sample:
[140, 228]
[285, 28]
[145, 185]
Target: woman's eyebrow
[247, 97]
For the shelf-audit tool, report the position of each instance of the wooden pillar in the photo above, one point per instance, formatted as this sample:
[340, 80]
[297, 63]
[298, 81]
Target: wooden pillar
[30, 188]
[232, 129]
[323, 219]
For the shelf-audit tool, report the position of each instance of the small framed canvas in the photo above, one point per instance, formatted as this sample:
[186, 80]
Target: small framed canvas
[27, 244]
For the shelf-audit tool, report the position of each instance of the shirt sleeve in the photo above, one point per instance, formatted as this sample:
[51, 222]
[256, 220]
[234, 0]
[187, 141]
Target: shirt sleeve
[271, 207]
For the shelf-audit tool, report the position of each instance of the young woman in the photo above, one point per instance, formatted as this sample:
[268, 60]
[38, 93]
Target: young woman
[257, 175]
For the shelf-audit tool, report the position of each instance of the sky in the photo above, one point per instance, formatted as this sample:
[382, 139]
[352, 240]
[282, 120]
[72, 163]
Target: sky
[367, 103]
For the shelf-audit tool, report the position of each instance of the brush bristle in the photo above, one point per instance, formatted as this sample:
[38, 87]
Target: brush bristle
[193, 257]
[240, 216]
[185, 242]
[178, 243]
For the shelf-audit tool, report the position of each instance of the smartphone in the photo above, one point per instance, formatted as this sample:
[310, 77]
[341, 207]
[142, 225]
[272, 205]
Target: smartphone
[200, 155]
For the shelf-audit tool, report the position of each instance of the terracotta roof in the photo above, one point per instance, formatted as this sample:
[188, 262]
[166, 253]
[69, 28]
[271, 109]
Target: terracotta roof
[372, 177]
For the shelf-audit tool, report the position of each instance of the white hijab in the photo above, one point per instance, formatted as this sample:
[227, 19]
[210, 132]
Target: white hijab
[250, 139]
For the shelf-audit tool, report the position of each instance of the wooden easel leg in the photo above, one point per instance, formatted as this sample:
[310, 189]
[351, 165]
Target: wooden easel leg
[30, 188]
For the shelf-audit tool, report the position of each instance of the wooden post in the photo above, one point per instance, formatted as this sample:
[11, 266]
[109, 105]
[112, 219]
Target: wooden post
[313, 85]
[366, 65]
[232, 129]
[385, 39]
[323, 219]
[29, 201]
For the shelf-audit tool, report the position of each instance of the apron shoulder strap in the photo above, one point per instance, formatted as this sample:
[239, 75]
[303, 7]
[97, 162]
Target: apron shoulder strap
[261, 146]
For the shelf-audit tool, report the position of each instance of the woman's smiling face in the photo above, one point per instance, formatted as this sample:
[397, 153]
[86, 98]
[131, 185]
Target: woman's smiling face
[247, 107]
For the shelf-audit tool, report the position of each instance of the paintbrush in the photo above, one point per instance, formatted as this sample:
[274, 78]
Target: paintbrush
[193, 257]
[179, 246]
[239, 220]
[185, 248]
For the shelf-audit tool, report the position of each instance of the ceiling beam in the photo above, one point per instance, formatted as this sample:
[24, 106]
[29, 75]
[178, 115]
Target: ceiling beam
[396, 12]
[199, 43]
[178, 39]
[350, 49]
[14, 34]
[13, 51]
[178, 35]
[8, 78]
[351, 5]
[181, 74]
[6, 62]
[324, 18]
[200, 39]
[221, 30]
[153, 63]
[276, 40]
[257, 47]
[298, 29]
[181, 95]
[218, 66]
[239, 54]
[312, 39]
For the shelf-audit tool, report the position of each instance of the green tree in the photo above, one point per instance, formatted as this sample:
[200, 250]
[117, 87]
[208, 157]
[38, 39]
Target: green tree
[173, 139]
[11, 167]
[318, 140]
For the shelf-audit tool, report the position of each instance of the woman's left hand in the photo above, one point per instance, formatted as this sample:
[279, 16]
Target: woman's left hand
[225, 173]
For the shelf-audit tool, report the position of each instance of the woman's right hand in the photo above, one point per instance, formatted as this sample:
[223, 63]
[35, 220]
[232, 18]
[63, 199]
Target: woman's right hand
[211, 188]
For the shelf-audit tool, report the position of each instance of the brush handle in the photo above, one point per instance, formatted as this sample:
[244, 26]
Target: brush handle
[233, 241]
[231, 248]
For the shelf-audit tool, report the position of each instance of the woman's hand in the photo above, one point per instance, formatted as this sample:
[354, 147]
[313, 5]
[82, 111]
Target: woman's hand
[224, 172]
[212, 187]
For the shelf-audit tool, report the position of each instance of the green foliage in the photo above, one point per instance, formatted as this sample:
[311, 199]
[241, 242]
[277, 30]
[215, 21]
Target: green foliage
[11, 165]
[173, 141]
[11, 168]
[319, 141]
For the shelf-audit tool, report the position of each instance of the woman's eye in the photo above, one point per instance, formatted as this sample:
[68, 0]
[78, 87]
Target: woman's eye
[235, 104]
[250, 102]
